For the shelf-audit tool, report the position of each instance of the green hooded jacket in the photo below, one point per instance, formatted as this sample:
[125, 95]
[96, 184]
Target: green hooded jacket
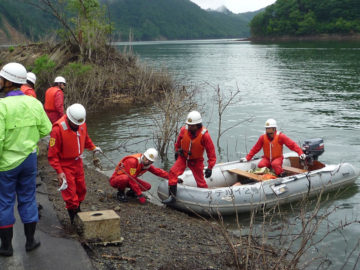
[23, 122]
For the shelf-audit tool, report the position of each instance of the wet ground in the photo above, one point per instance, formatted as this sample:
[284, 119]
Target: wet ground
[155, 237]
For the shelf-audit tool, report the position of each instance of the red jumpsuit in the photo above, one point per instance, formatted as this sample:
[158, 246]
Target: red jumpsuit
[273, 156]
[54, 103]
[28, 90]
[65, 149]
[200, 142]
[127, 172]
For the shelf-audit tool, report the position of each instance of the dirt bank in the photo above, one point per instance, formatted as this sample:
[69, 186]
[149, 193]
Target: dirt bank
[155, 237]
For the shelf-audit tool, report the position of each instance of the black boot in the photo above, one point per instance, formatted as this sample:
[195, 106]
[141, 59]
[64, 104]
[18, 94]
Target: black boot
[6, 236]
[78, 209]
[131, 193]
[172, 195]
[72, 214]
[121, 196]
[31, 243]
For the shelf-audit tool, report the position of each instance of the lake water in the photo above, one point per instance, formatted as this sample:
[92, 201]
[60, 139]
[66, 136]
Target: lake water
[312, 90]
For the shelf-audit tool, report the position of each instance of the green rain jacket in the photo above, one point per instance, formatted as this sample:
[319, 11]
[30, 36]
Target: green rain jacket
[23, 122]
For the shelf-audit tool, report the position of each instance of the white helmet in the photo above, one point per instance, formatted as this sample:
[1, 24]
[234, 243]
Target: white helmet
[76, 114]
[14, 72]
[151, 154]
[60, 79]
[193, 118]
[31, 77]
[270, 123]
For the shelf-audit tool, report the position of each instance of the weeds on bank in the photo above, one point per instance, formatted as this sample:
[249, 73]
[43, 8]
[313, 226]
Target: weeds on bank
[276, 243]
[113, 78]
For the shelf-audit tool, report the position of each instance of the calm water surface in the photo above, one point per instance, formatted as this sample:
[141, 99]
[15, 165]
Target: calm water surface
[311, 89]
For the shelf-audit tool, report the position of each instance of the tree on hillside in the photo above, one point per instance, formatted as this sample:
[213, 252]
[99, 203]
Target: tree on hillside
[84, 23]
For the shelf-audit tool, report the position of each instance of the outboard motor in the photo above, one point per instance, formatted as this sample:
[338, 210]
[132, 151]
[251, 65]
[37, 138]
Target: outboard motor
[313, 148]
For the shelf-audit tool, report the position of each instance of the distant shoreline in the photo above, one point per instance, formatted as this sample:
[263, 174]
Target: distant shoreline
[321, 37]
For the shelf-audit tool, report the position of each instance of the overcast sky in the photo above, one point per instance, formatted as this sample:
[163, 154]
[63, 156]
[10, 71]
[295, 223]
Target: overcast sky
[235, 6]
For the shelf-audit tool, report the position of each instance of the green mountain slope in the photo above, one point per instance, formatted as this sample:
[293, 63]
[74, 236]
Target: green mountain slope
[144, 19]
[307, 17]
[172, 19]
[26, 19]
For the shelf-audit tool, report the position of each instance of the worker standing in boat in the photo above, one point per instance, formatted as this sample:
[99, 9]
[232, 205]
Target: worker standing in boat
[189, 152]
[129, 169]
[68, 139]
[272, 144]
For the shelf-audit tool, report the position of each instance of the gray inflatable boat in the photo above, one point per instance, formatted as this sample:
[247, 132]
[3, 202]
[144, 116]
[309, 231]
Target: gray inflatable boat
[233, 189]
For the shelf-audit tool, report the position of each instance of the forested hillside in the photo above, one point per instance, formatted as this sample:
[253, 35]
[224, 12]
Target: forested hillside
[307, 17]
[173, 19]
[144, 19]
[26, 19]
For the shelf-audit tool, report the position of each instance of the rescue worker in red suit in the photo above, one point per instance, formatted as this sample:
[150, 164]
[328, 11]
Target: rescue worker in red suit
[54, 99]
[28, 88]
[189, 152]
[68, 139]
[272, 143]
[127, 172]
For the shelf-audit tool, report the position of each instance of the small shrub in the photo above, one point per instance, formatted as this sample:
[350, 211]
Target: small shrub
[43, 64]
[76, 69]
[11, 49]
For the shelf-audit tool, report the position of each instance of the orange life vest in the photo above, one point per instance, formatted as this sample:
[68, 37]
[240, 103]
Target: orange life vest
[73, 143]
[267, 176]
[27, 90]
[272, 149]
[50, 98]
[139, 170]
[193, 145]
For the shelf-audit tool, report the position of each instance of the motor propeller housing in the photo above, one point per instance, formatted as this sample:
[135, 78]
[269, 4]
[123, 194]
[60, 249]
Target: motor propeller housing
[313, 148]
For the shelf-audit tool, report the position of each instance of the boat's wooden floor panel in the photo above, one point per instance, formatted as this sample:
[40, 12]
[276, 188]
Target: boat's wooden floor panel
[253, 176]
[293, 170]
[246, 174]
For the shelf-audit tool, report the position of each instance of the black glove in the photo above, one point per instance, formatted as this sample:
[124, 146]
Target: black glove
[180, 152]
[208, 172]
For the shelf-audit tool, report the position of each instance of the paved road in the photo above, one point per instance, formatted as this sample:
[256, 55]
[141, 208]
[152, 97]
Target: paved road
[55, 253]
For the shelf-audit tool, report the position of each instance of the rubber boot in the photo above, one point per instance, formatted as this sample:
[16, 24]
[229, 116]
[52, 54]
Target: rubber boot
[172, 196]
[31, 243]
[121, 196]
[78, 209]
[131, 193]
[6, 236]
[72, 213]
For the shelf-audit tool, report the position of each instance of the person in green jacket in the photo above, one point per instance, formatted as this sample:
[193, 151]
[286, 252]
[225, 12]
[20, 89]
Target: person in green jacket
[23, 122]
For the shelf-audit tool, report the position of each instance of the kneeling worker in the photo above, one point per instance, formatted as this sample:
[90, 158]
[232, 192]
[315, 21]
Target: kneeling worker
[129, 169]
[68, 139]
[272, 144]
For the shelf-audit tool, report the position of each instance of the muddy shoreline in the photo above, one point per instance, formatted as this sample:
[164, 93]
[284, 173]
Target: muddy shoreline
[155, 237]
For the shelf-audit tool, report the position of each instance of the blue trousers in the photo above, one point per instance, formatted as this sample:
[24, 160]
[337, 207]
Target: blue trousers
[20, 182]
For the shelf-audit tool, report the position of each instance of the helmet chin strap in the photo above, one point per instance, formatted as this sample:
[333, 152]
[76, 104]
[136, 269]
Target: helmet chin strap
[73, 126]
[2, 88]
